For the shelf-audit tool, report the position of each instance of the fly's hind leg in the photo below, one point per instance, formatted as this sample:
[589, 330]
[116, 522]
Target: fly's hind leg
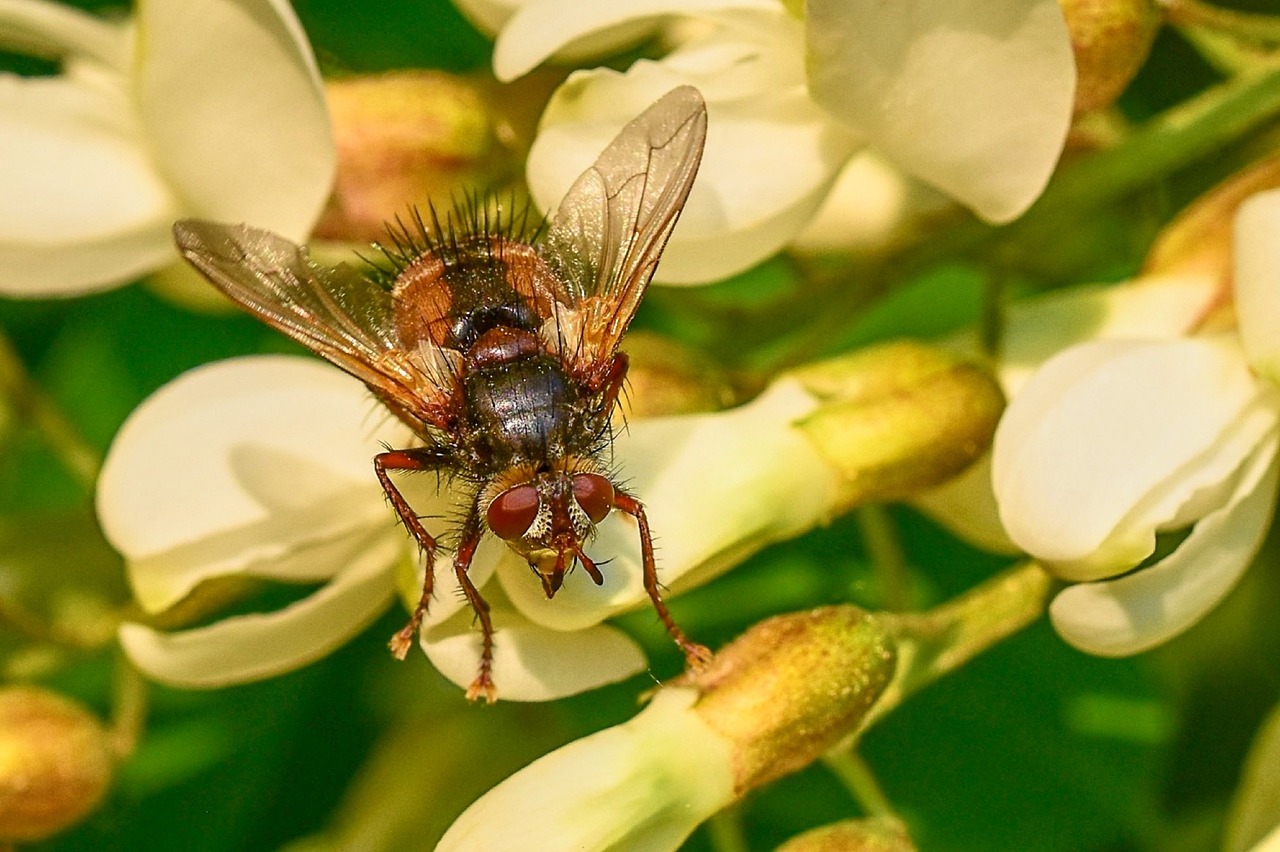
[414, 459]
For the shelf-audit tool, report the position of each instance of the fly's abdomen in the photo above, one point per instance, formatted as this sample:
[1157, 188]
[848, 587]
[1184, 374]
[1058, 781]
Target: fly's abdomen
[519, 410]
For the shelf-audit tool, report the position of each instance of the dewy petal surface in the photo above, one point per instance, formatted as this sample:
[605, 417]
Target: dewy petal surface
[717, 487]
[974, 98]
[1257, 281]
[1100, 429]
[642, 786]
[251, 647]
[771, 154]
[233, 106]
[541, 28]
[242, 465]
[1143, 609]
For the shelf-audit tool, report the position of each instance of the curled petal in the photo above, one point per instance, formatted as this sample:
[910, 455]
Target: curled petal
[1111, 441]
[1145, 608]
[532, 662]
[256, 464]
[57, 31]
[233, 107]
[85, 208]
[771, 154]
[717, 488]
[643, 785]
[541, 28]
[974, 98]
[252, 647]
[1257, 281]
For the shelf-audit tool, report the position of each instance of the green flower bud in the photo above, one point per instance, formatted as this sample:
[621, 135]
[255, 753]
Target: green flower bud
[55, 763]
[791, 687]
[668, 378]
[878, 834]
[899, 418]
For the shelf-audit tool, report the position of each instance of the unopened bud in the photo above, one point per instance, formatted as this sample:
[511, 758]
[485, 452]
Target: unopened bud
[792, 686]
[876, 834]
[899, 418]
[1111, 40]
[666, 377]
[55, 763]
[1199, 240]
[402, 139]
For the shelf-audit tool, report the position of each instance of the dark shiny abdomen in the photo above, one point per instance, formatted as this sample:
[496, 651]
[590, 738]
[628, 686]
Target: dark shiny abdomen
[520, 410]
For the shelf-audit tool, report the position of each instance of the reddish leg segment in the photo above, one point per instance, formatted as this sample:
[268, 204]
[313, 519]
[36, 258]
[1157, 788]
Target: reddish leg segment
[419, 459]
[695, 655]
[482, 686]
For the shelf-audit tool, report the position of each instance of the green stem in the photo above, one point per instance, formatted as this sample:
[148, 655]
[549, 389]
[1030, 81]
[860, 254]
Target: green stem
[934, 643]
[847, 765]
[129, 702]
[881, 540]
[32, 404]
[1241, 25]
[724, 831]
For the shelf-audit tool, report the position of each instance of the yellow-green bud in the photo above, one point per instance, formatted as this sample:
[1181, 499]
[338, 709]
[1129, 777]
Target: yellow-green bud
[402, 139]
[55, 763]
[792, 686]
[1111, 40]
[899, 418]
[877, 834]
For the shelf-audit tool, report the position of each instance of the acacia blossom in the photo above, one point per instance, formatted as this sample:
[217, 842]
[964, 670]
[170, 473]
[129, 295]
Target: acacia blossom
[974, 99]
[210, 108]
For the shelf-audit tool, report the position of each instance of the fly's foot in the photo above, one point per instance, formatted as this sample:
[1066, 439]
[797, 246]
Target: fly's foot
[482, 687]
[403, 641]
[696, 656]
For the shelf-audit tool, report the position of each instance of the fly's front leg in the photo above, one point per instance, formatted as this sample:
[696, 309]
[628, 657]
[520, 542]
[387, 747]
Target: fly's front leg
[482, 686]
[695, 655]
[416, 459]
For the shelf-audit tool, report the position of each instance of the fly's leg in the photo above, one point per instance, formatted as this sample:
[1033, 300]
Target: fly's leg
[614, 380]
[482, 686]
[695, 655]
[418, 459]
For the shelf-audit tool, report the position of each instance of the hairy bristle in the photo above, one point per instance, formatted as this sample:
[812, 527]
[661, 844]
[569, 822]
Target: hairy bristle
[472, 218]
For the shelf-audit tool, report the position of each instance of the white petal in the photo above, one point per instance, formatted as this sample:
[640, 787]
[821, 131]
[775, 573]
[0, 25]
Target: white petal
[234, 109]
[1257, 280]
[55, 31]
[531, 662]
[1147, 607]
[974, 98]
[541, 28]
[83, 206]
[717, 487]
[771, 155]
[642, 786]
[256, 464]
[1091, 458]
[967, 507]
[252, 647]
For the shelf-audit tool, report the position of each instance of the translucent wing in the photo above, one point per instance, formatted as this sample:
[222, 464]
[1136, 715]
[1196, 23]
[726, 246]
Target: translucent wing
[608, 234]
[335, 312]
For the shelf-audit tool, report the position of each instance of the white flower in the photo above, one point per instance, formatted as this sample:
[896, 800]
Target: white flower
[1113, 442]
[974, 99]
[209, 108]
[262, 467]
[643, 785]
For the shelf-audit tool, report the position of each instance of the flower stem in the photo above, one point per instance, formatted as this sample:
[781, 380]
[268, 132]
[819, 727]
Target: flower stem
[934, 643]
[724, 831]
[32, 404]
[129, 703]
[847, 765]
[1242, 25]
[881, 540]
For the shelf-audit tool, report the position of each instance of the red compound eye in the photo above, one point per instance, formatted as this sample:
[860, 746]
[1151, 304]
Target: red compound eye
[594, 494]
[512, 512]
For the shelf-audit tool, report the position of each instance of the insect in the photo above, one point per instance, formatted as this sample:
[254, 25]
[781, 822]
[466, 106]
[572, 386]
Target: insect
[500, 354]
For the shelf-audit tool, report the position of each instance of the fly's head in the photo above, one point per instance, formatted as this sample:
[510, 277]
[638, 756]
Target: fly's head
[548, 516]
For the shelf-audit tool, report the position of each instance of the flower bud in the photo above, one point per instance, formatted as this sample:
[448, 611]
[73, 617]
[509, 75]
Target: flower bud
[402, 139]
[55, 763]
[1111, 40]
[666, 378]
[877, 834]
[792, 686]
[898, 418]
